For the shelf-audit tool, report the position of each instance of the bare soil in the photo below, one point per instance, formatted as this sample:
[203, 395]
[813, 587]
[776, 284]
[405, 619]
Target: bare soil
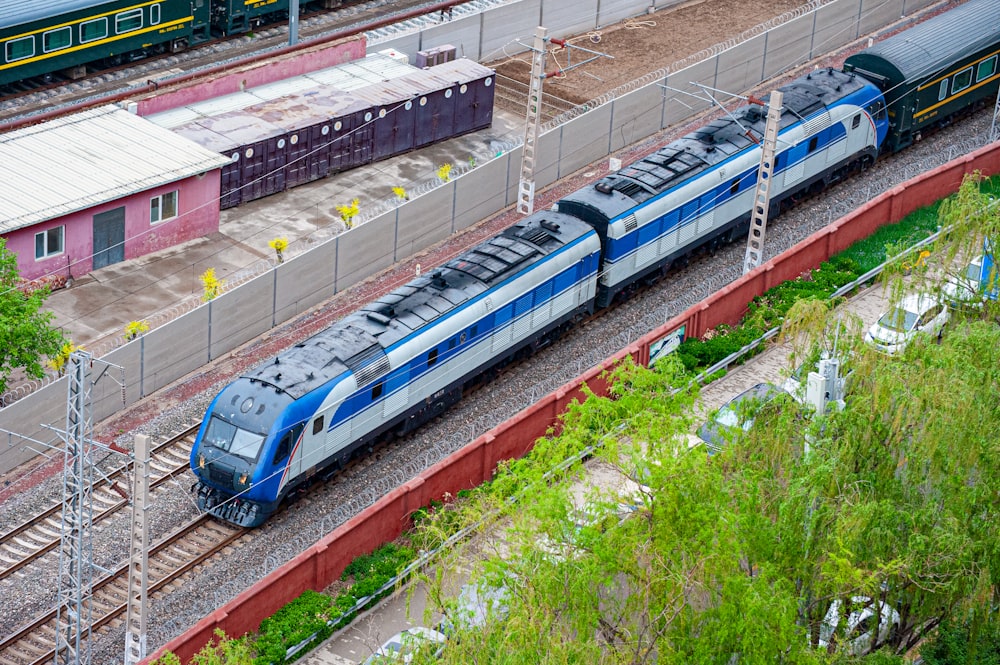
[638, 46]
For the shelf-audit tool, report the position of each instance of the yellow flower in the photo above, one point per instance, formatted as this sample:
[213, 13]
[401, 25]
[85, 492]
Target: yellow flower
[213, 285]
[444, 172]
[135, 328]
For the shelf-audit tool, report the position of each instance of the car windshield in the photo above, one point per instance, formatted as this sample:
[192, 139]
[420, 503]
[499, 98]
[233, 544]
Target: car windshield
[898, 320]
[232, 439]
[972, 271]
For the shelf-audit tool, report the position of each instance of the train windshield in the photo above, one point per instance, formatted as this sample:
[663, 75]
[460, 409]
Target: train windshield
[230, 438]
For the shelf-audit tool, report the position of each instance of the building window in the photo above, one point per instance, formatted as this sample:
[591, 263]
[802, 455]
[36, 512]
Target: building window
[963, 80]
[154, 15]
[128, 21]
[91, 30]
[163, 207]
[53, 40]
[49, 243]
[986, 69]
[19, 49]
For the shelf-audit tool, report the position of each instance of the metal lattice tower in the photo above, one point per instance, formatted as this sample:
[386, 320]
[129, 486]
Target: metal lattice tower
[76, 562]
[762, 197]
[138, 580]
[526, 186]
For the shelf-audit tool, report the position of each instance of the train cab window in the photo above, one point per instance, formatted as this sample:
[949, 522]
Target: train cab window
[962, 80]
[432, 358]
[943, 90]
[154, 14]
[283, 449]
[813, 142]
[856, 121]
[93, 30]
[986, 69]
[128, 21]
[377, 390]
[318, 425]
[49, 243]
[53, 40]
[19, 49]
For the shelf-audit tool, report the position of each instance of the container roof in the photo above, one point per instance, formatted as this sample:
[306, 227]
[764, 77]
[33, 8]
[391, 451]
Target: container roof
[86, 159]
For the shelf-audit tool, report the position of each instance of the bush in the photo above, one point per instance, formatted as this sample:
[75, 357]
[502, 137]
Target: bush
[292, 624]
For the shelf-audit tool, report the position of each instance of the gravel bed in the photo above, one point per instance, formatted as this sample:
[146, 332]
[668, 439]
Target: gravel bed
[292, 530]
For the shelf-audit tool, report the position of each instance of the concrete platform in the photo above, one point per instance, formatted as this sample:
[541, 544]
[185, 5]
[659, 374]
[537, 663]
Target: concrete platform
[96, 308]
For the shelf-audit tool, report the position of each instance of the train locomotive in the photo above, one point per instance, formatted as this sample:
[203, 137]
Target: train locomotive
[42, 37]
[404, 358]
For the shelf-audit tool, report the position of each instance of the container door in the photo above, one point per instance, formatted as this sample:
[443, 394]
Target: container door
[109, 237]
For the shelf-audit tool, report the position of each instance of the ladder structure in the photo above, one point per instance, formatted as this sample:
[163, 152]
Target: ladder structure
[762, 197]
[526, 185]
[138, 578]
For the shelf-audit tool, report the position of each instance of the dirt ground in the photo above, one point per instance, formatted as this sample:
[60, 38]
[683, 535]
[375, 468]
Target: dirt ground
[639, 46]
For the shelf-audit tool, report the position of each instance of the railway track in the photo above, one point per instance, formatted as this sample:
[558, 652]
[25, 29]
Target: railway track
[169, 560]
[30, 541]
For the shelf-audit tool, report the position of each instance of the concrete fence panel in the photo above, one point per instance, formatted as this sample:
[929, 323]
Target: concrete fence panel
[463, 33]
[408, 43]
[116, 388]
[175, 349]
[788, 44]
[739, 68]
[911, 6]
[505, 25]
[836, 25]
[305, 280]
[425, 221]
[547, 158]
[610, 12]
[636, 115]
[480, 192]
[583, 140]
[239, 316]
[365, 249]
[679, 102]
[23, 422]
[876, 14]
[513, 173]
[569, 18]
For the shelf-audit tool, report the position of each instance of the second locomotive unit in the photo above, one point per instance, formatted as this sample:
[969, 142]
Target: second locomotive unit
[405, 357]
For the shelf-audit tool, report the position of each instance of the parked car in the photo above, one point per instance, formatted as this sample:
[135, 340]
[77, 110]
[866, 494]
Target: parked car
[737, 415]
[401, 647]
[919, 313]
[857, 633]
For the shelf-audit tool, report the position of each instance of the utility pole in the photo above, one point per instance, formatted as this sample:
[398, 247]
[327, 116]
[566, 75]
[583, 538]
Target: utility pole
[762, 198]
[138, 579]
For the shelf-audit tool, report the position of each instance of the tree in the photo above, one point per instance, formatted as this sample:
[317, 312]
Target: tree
[26, 333]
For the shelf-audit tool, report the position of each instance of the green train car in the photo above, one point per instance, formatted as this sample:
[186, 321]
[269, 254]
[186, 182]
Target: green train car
[940, 69]
[41, 37]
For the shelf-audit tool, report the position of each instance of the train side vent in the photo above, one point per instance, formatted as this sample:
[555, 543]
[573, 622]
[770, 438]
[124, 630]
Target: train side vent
[630, 223]
[368, 365]
[816, 123]
[536, 236]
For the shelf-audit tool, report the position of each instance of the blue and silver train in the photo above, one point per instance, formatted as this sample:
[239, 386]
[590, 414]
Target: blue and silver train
[404, 358]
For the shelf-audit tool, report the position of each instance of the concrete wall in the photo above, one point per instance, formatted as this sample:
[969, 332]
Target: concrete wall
[474, 463]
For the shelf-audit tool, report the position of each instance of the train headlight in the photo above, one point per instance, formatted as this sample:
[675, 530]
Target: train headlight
[201, 461]
[243, 480]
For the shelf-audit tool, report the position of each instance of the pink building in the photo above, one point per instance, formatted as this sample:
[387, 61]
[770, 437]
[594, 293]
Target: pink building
[95, 188]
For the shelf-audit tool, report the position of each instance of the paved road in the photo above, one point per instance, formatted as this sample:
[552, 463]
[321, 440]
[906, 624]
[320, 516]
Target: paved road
[406, 608]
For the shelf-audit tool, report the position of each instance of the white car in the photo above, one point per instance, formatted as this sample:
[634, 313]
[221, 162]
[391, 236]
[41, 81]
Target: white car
[857, 633]
[915, 314]
[401, 647]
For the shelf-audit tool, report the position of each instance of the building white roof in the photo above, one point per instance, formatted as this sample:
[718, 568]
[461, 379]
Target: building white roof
[89, 158]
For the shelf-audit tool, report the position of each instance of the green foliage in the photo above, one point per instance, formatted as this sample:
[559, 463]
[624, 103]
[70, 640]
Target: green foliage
[957, 643]
[293, 623]
[27, 335]
[381, 565]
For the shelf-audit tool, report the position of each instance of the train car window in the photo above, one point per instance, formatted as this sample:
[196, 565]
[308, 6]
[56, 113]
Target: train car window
[128, 21]
[377, 389]
[91, 30]
[813, 142]
[19, 49]
[986, 69]
[451, 343]
[284, 447]
[735, 186]
[318, 425]
[432, 358]
[49, 243]
[856, 121]
[474, 332]
[943, 90]
[154, 14]
[962, 80]
[53, 40]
